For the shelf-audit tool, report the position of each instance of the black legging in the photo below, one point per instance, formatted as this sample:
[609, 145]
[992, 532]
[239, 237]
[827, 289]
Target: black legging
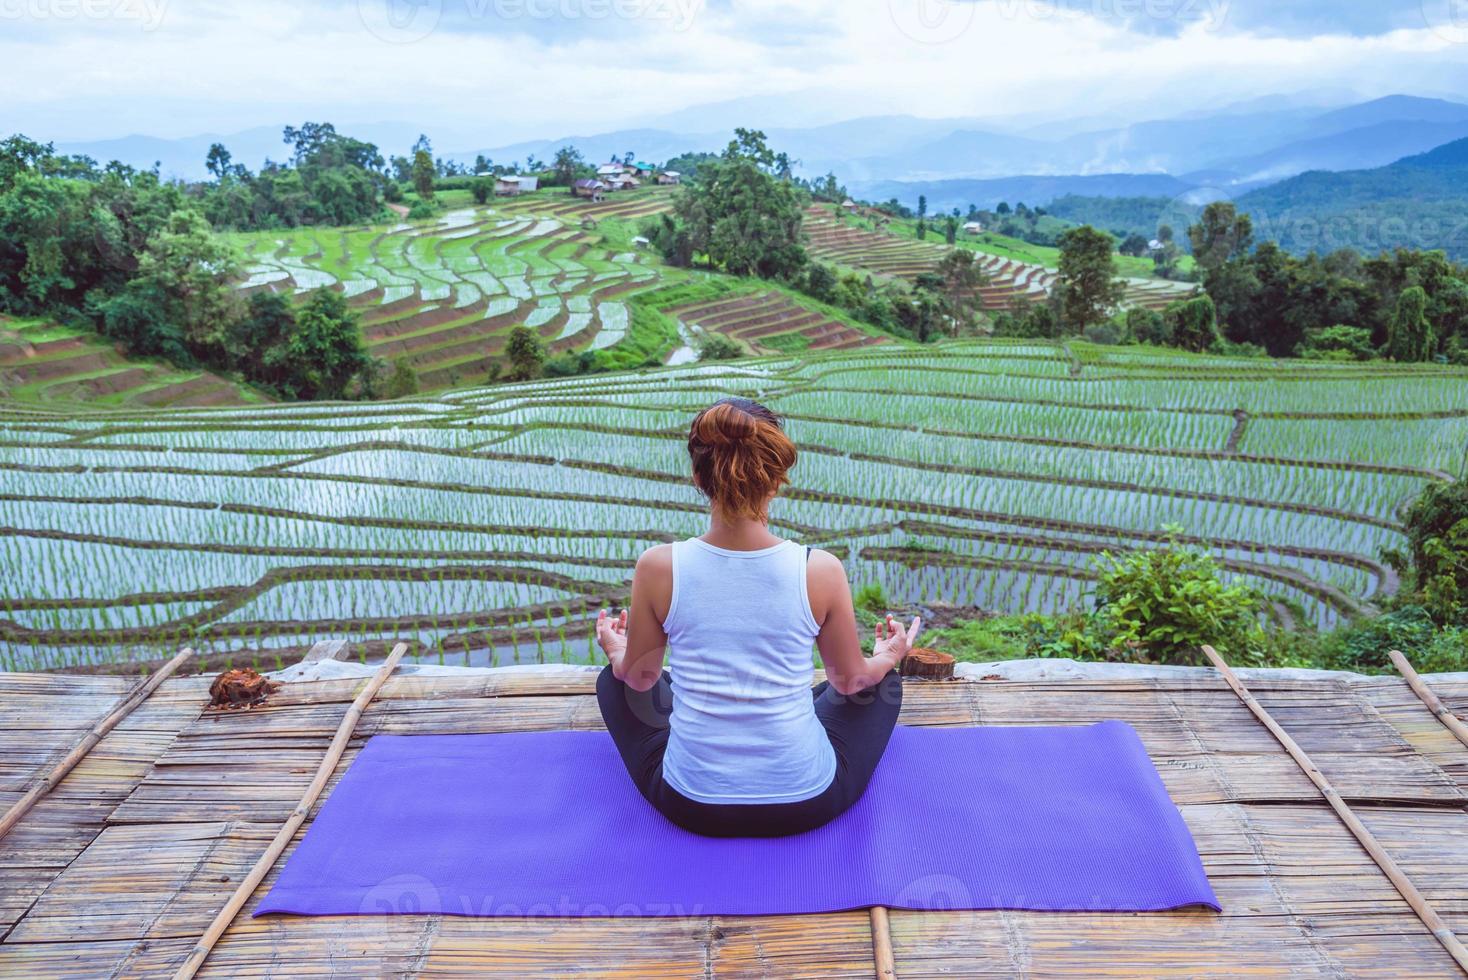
[858, 726]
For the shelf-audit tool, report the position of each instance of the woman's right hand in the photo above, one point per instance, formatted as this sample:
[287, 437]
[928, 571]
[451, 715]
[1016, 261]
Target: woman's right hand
[894, 642]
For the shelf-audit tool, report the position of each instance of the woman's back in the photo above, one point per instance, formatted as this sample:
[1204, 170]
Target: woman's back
[740, 634]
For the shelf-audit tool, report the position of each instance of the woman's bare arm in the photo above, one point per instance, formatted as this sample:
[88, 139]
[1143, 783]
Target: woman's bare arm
[830, 603]
[634, 641]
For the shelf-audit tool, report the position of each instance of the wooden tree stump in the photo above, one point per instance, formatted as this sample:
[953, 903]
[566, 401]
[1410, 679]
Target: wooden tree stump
[240, 688]
[928, 664]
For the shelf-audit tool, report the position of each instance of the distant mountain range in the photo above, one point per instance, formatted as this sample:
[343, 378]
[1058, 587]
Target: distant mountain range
[1418, 202]
[1238, 151]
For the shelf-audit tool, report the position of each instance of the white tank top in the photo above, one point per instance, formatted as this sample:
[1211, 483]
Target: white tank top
[740, 632]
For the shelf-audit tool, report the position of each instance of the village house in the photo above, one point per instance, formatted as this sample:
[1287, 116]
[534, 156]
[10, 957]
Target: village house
[588, 188]
[973, 228]
[511, 185]
[670, 177]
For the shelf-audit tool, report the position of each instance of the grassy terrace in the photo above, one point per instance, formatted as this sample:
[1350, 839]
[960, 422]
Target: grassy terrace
[46, 363]
[486, 522]
[1016, 270]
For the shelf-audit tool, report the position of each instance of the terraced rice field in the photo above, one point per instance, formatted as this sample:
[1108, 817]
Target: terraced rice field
[490, 522]
[772, 322]
[441, 296]
[1010, 281]
[43, 362]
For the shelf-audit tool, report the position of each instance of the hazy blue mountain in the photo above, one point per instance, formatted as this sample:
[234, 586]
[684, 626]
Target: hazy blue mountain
[1355, 149]
[945, 195]
[184, 158]
[1234, 149]
[1418, 202]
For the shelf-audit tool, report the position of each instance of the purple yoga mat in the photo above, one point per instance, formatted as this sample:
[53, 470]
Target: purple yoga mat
[548, 824]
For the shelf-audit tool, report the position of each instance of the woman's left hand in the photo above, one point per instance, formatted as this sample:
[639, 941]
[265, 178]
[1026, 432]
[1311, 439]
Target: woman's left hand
[611, 635]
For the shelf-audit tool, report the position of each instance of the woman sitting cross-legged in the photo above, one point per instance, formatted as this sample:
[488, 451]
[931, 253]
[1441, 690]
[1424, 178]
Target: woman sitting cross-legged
[732, 741]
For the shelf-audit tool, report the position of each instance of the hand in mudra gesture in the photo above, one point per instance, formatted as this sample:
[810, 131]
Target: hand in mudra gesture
[611, 634]
[893, 641]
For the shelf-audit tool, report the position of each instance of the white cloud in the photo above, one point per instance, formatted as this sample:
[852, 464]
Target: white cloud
[484, 67]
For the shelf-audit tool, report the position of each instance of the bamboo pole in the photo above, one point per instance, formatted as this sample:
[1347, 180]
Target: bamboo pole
[283, 837]
[1389, 867]
[130, 701]
[886, 964]
[1429, 697]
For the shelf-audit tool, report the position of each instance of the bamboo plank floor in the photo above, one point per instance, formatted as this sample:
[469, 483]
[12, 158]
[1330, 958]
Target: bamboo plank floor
[118, 871]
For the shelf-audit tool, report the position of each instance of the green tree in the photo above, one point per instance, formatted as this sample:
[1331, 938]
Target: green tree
[324, 354]
[1221, 235]
[526, 353]
[1410, 337]
[481, 189]
[1194, 323]
[1088, 285]
[960, 278]
[567, 165]
[922, 222]
[424, 173]
[190, 269]
[742, 217]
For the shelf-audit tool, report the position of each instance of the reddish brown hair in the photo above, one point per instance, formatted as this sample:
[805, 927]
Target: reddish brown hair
[740, 456]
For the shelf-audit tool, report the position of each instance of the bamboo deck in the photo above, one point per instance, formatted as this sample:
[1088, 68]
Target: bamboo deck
[120, 869]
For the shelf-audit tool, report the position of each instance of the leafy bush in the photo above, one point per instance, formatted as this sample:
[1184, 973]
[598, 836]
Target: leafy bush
[1160, 605]
[1436, 560]
[421, 211]
[403, 382]
[1148, 327]
[570, 363]
[1194, 323]
[1364, 644]
[717, 347]
[1338, 343]
[1105, 334]
[481, 189]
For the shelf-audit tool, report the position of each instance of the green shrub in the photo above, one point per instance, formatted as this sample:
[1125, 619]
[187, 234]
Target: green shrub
[481, 189]
[1105, 334]
[421, 211]
[403, 382]
[1148, 327]
[1338, 343]
[570, 363]
[872, 598]
[717, 347]
[1436, 560]
[1364, 644]
[1161, 605]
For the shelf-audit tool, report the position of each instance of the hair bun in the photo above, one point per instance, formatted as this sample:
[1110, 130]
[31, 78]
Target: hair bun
[725, 425]
[740, 455]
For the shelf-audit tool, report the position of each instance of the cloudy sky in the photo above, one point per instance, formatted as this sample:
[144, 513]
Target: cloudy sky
[503, 70]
